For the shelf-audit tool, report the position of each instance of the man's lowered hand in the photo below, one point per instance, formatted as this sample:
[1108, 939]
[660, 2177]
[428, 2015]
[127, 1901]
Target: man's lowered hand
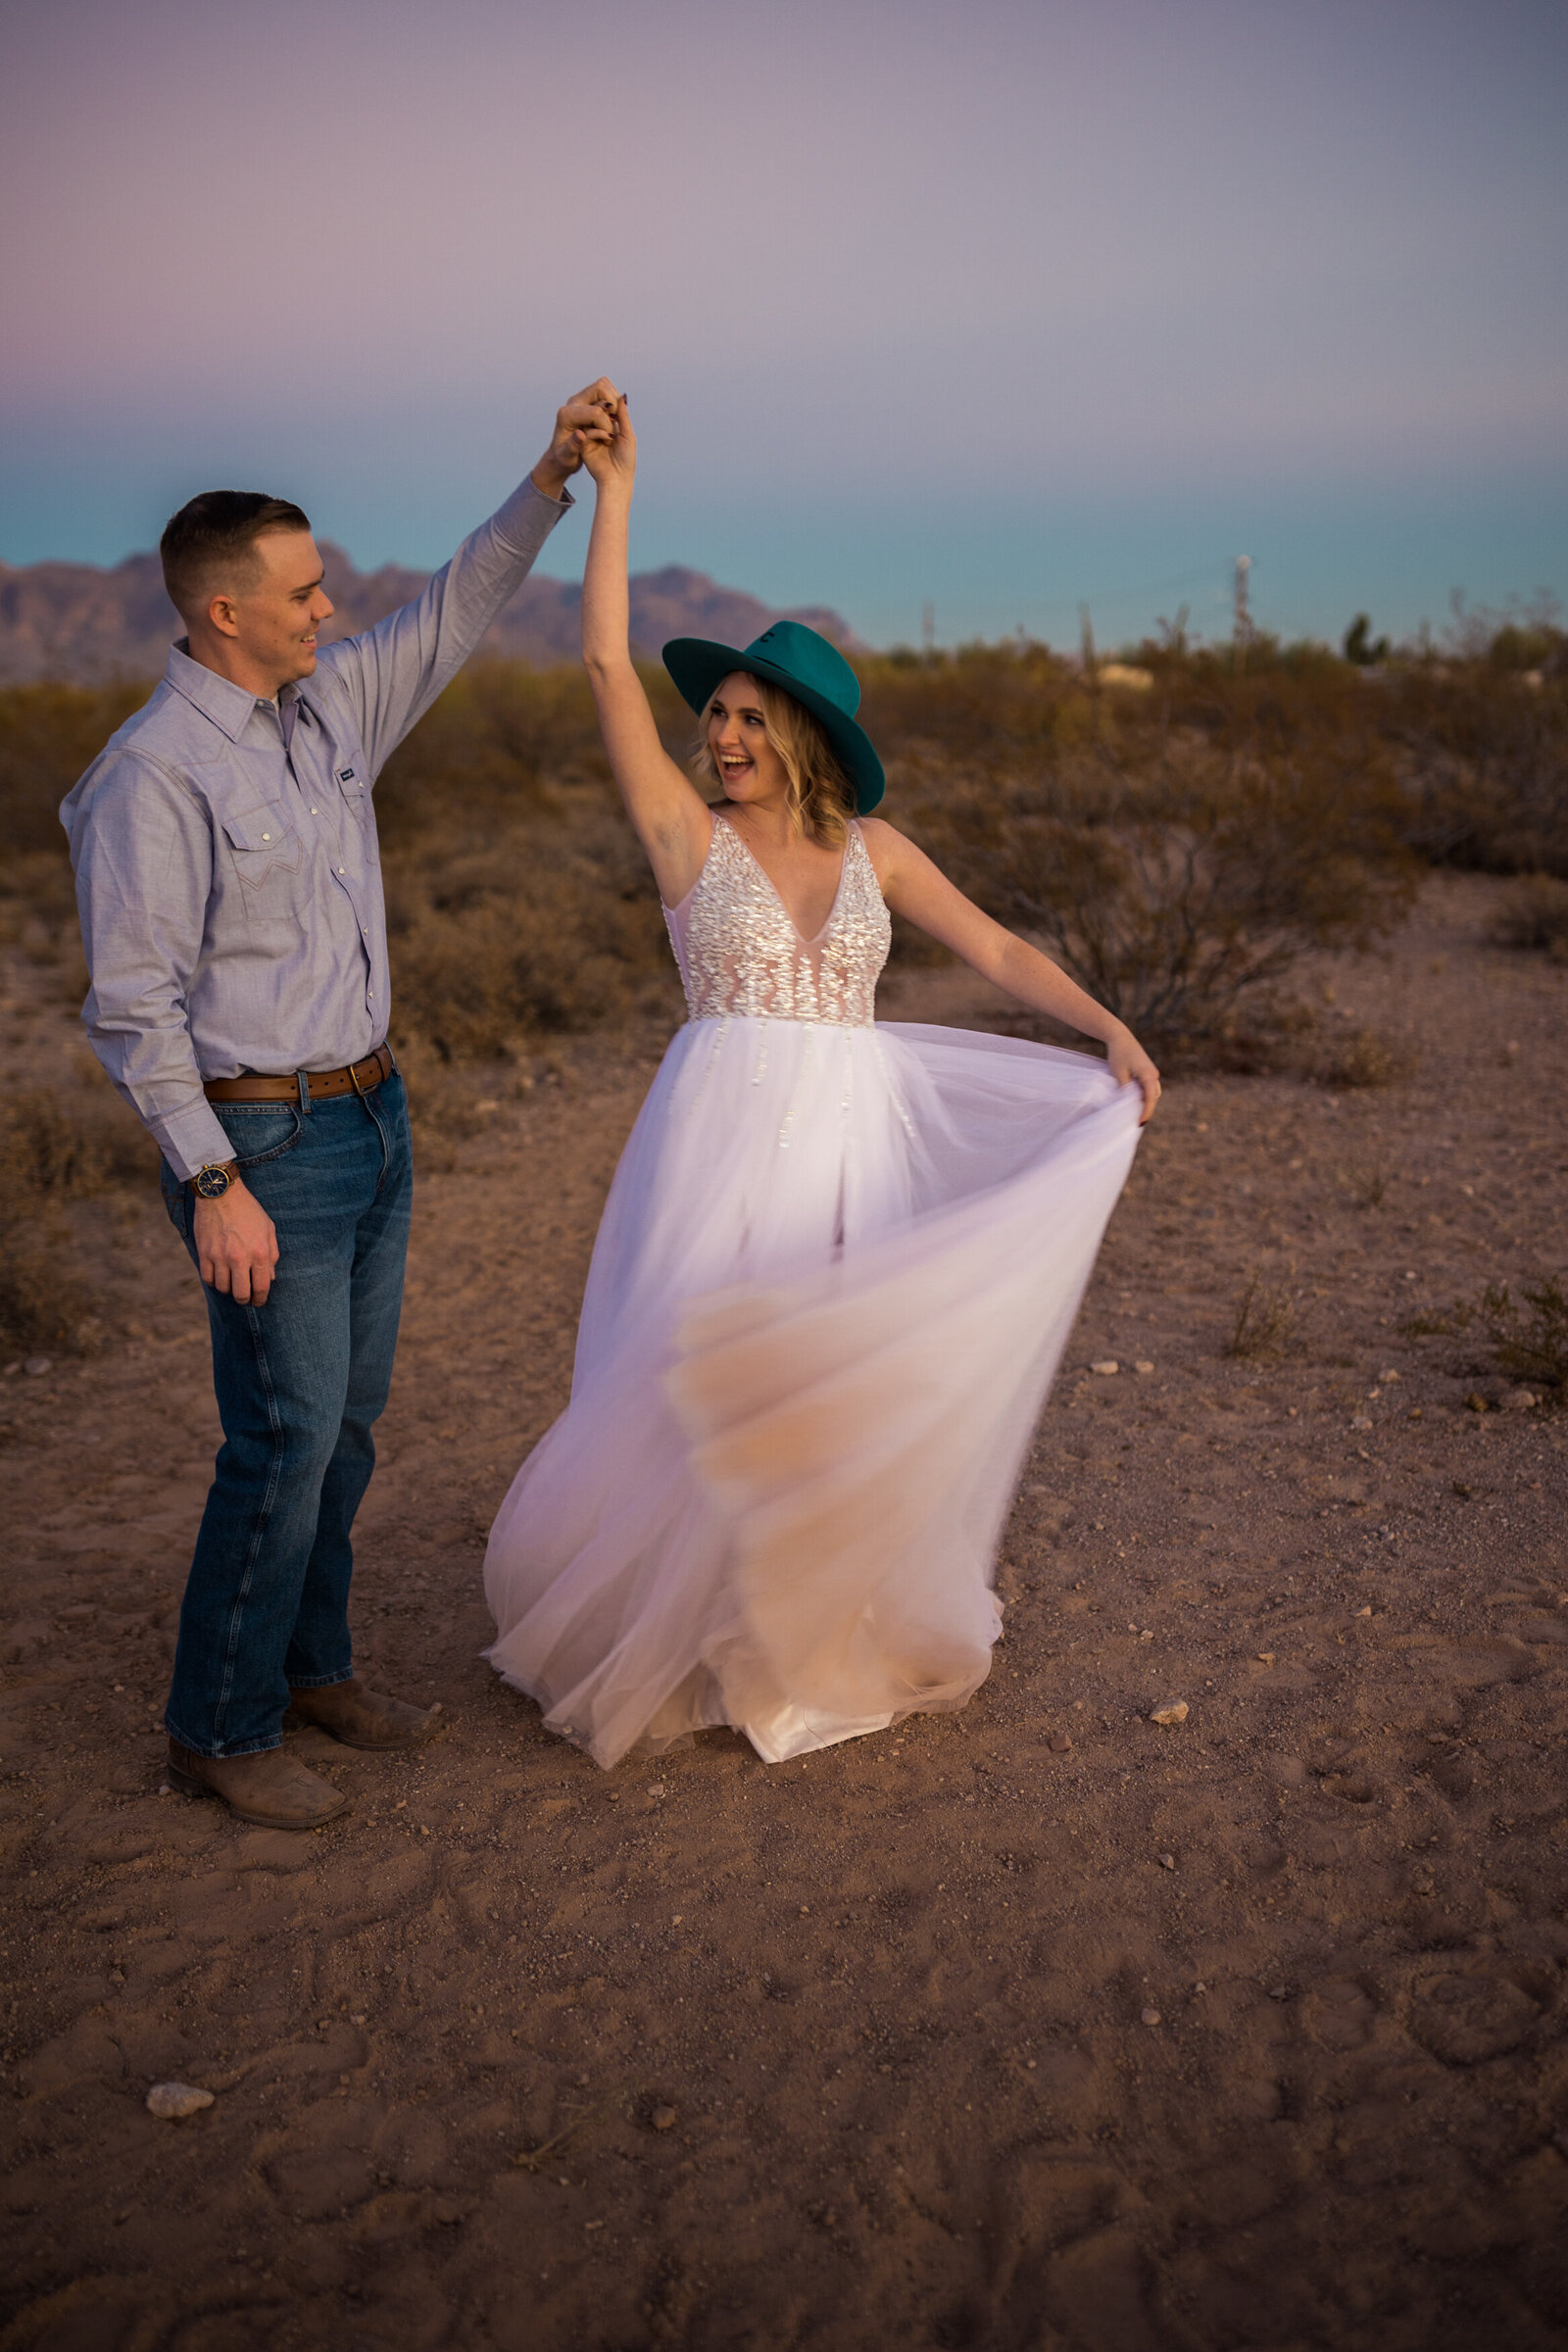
[236, 1245]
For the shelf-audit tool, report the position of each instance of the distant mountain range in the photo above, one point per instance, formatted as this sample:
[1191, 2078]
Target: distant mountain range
[87, 624]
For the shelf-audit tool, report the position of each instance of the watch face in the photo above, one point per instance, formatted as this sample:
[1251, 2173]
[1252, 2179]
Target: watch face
[211, 1183]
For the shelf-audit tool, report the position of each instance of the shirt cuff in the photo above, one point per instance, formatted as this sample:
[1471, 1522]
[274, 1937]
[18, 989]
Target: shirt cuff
[192, 1139]
[529, 517]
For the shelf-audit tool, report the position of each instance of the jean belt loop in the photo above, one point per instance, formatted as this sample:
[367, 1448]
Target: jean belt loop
[302, 1079]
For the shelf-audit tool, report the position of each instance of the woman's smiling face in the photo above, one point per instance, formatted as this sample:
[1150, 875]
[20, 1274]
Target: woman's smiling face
[749, 767]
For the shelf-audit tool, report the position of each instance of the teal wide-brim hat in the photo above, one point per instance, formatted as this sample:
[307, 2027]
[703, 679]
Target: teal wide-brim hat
[790, 656]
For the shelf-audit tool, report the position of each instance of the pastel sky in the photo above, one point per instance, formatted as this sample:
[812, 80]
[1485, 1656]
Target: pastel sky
[1002, 304]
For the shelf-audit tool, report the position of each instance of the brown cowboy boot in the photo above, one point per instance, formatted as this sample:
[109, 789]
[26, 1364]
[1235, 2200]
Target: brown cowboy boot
[361, 1718]
[271, 1788]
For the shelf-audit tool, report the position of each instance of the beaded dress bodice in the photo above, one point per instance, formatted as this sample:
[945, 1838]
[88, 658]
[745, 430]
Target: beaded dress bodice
[740, 956]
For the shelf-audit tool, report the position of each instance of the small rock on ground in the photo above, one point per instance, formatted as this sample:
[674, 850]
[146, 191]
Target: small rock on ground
[174, 2100]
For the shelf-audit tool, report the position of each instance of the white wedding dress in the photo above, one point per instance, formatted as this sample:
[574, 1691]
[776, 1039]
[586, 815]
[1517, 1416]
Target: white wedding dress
[837, 1268]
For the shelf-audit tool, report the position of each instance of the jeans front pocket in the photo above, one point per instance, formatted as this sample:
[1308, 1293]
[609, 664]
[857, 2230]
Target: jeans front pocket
[261, 1132]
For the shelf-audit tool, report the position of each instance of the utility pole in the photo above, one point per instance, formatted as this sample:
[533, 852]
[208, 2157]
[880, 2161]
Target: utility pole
[1243, 618]
[928, 630]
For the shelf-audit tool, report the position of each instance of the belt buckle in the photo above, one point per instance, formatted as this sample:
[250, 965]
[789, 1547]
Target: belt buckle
[355, 1068]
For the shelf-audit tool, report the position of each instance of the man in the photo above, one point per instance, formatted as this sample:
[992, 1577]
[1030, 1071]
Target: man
[231, 895]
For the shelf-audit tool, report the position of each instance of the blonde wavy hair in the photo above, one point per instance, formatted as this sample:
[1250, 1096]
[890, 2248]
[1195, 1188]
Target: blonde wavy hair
[822, 796]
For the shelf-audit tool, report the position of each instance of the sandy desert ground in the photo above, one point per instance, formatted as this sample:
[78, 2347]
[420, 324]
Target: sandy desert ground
[1036, 2029]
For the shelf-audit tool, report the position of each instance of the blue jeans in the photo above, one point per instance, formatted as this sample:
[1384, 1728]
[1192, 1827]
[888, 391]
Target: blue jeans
[299, 1381]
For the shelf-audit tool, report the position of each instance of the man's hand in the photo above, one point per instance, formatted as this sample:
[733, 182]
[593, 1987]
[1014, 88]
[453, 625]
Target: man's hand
[236, 1245]
[586, 419]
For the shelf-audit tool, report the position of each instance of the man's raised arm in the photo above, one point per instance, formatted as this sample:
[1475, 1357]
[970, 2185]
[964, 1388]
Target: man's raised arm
[392, 673]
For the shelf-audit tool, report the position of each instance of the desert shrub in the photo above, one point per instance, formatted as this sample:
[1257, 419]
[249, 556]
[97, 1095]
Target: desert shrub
[1483, 760]
[985, 708]
[1524, 1337]
[489, 752]
[519, 905]
[56, 1145]
[1263, 1320]
[1535, 914]
[48, 735]
[552, 928]
[1180, 889]
[66, 1142]
[1528, 1335]
[1178, 848]
[43, 1304]
[1362, 1060]
[1361, 648]
[1369, 1185]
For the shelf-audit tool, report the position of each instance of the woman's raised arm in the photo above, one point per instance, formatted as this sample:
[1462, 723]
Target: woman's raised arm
[921, 892]
[668, 814]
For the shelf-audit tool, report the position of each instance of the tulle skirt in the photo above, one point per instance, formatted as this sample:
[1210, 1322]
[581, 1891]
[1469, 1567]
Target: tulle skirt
[834, 1278]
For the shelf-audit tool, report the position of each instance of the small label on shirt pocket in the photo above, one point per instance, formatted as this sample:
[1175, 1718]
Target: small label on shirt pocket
[351, 786]
[264, 843]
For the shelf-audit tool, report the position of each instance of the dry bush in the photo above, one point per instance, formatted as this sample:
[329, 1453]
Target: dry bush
[498, 942]
[1362, 1060]
[1535, 914]
[1528, 1335]
[1369, 1186]
[1264, 1318]
[1525, 1338]
[1483, 751]
[1178, 848]
[518, 902]
[41, 1307]
[490, 752]
[56, 1145]
[48, 735]
[1179, 884]
[66, 1142]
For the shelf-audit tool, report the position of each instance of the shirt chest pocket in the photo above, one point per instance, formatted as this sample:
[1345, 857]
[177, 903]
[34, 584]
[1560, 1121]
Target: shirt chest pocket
[350, 781]
[267, 855]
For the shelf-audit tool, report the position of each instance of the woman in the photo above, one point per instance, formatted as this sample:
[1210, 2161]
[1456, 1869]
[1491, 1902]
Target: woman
[839, 1260]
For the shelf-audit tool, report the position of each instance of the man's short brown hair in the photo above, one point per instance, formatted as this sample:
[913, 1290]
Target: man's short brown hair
[215, 533]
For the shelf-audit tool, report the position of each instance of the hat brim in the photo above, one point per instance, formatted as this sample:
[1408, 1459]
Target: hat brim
[698, 664]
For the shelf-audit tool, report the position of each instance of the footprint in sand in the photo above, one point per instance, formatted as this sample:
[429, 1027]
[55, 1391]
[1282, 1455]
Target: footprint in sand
[1339, 2013]
[1465, 2019]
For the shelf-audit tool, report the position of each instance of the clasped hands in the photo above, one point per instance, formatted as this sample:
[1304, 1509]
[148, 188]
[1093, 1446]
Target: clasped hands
[591, 421]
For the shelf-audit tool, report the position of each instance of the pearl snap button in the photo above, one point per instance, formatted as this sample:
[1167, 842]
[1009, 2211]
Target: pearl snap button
[266, 837]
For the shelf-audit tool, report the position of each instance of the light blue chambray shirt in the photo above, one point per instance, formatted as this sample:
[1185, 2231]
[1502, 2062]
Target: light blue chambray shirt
[226, 855]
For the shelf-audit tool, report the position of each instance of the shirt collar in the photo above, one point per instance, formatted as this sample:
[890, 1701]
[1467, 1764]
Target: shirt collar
[227, 705]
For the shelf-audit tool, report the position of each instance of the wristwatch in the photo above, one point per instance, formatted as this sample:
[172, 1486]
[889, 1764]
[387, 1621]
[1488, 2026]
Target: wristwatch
[213, 1182]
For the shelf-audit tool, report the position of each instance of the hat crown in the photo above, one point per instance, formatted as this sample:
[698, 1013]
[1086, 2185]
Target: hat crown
[789, 644]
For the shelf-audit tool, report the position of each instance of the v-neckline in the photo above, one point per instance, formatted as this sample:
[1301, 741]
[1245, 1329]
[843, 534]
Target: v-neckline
[827, 921]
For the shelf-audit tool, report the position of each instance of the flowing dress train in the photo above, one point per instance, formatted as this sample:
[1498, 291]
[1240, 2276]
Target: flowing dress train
[836, 1271]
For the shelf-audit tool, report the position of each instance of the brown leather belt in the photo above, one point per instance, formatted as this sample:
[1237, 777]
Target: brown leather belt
[306, 1086]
